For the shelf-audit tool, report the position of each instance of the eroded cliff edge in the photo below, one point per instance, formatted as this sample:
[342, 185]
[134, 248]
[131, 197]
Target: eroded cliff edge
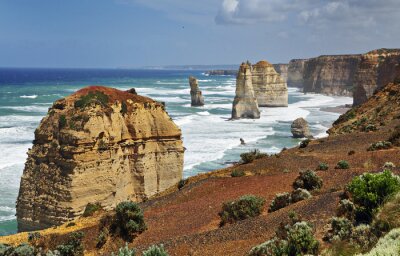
[97, 145]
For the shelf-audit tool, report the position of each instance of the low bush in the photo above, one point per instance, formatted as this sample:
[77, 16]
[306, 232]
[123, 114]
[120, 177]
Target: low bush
[102, 237]
[341, 229]
[387, 245]
[90, 209]
[245, 207]
[280, 201]
[304, 143]
[275, 247]
[129, 219]
[346, 209]
[389, 166]
[73, 247]
[20, 250]
[299, 195]
[370, 128]
[301, 240]
[62, 122]
[323, 167]
[155, 250]
[124, 108]
[308, 180]
[363, 238]
[92, 97]
[237, 173]
[251, 156]
[125, 251]
[380, 145]
[389, 214]
[395, 137]
[370, 190]
[342, 164]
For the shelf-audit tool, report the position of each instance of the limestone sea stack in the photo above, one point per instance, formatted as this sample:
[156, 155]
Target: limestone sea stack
[300, 128]
[269, 87]
[98, 145]
[245, 104]
[195, 93]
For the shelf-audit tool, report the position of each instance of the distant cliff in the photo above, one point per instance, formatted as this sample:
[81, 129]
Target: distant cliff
[282, 70]
[98, 145]
[221, 73]
[295, 73]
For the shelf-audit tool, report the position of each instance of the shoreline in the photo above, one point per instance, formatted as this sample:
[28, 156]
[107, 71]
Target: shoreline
[338, 110]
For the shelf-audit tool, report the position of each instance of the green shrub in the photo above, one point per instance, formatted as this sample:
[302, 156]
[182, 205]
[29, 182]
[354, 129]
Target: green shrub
[124, 108]
[370, 128]
[346, 209]
[274, 247]
[6, 249]
[62, 122]
[389, 214]
[323, 167]
[73, 247]
[389, 166]
[299, 195]
[308, 180]
[125, 251]
[245, 207]
[90, 209]
[301, 240]
[280, 201]
[155, 250]
[342, 164]
[304, 143]
[92, 97]
[380, 145]
[341, 229]
[129, 219]
[370, 190]
[251, 156]
[363, 238]
[237, 173]
[387, 245]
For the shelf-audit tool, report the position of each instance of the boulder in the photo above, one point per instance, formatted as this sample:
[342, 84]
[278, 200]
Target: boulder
[300, 128]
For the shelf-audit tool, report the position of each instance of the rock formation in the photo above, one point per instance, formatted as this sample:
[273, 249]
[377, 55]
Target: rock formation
[282, 70]
[195, 93]
[295, 73]
[377, 68]
[300, 129]
[220, 72]
[269, 88]
[97, 145]
[245, 104]
[330, 74]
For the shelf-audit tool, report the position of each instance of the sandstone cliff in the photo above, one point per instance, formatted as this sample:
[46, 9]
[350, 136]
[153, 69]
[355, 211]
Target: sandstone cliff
[332, 75]
[282, 70]
[195, 93]
[377, 68]
[97, 145]
[295, 73]
[269, 87]
[245, 104]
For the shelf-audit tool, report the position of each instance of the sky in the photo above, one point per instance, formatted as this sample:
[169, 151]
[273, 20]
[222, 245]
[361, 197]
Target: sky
[136, 33]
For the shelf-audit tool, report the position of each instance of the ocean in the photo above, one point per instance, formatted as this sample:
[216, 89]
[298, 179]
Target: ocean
[212, 142]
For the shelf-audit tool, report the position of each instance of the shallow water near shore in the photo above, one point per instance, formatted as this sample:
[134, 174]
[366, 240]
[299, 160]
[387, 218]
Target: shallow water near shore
[212, 142]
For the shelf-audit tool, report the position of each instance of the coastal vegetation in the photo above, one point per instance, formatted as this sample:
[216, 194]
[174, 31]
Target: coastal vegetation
[245, 207]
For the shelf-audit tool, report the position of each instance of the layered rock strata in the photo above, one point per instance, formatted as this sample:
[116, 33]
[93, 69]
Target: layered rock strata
[300, 128]
[245, 104]
[97, 145]
[269, 87]
[282, 70]
[295, 73]
[195, 93]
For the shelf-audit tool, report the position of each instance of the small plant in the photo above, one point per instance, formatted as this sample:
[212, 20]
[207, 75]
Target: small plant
[380, 145]
[299, 195]
[251, 156]
[245, 207]
[388, 216]
[181, 184]
[62, 122]
[351, 152]
[308, 180]
[92, 97]
[275, 247]
[301, 240]
[370, 190]
[323, 167]
[74, 246]
[370, 128]
[395, 137]
[102, 145]
[237, 173]
[346, 209]
[341, 229]
[102, 238]
[90, 209]
[155, 250]
[387, 245]
[389, 166]
[342, 164]
[362, 237]
[125, 251]
[280, 201]
[124, 108]
[129, 219]
[304, 143]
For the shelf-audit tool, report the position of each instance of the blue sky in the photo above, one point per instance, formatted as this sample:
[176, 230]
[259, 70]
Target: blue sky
[134, 33]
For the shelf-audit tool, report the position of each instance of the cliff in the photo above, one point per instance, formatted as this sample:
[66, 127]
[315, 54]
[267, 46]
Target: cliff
[295, 73]
[97, 145]
[220, 72]
[245, 104]
[282, 70]
[377, 68]
[332, 75]
[195, 93]
[269, 88]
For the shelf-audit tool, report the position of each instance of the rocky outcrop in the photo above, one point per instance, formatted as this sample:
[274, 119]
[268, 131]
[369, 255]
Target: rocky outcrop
[245, 104]
[269, 87]
[97, 145]
[295, 73]
[377, 68]
[195, 93]
[282, 70]
[330, 74]
[300, 129]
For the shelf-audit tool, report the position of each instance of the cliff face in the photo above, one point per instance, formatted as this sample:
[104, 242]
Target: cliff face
[97, 145]
[332, 75]
[195, 93]
[282, 70]
[377, 68]
[245, 104]
[269, 88]
[295, 73]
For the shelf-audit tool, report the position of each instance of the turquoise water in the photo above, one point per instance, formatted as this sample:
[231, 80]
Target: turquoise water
[211, 140]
